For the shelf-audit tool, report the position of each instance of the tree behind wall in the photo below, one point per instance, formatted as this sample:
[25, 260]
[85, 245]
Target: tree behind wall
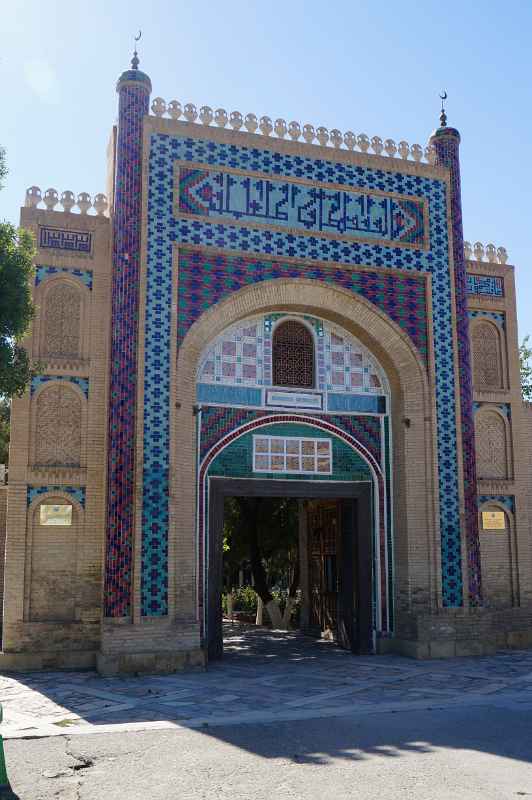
[5, 409]
[525, 355]
[16, 308]
[264, 531]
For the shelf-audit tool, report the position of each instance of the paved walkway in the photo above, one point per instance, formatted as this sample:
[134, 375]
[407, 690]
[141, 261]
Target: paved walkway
[264, 677]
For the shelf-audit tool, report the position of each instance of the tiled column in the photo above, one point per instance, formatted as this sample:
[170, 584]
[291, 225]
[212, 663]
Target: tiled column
[134, 89]
[447, 144]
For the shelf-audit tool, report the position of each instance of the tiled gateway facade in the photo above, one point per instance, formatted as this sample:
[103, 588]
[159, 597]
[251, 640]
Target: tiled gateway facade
[156, 328]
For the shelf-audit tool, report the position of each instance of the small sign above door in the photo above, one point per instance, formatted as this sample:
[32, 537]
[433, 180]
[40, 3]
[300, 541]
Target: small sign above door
[293, 399]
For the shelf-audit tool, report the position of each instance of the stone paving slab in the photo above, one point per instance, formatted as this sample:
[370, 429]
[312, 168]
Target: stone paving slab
[264, 676]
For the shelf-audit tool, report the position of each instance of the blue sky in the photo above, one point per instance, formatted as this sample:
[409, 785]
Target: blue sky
[372, 67]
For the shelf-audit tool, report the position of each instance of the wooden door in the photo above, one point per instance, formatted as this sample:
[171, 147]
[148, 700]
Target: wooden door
[347, 587]
[355, 575]
[323, 567]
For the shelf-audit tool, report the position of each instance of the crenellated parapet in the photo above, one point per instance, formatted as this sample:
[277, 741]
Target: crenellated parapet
[68, 200]
[490, 253]
[294, 131]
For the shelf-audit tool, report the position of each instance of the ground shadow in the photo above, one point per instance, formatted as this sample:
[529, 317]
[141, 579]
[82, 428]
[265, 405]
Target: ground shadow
[311, 701]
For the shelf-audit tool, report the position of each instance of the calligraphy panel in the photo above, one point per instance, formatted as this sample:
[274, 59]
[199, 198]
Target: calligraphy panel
[57, 239]
[491, 285]
[318, 209]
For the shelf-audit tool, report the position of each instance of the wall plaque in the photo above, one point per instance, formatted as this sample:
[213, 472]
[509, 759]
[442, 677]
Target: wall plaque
[493, 521]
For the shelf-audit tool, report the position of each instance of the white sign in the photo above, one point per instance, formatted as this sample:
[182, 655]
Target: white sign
[293, 399]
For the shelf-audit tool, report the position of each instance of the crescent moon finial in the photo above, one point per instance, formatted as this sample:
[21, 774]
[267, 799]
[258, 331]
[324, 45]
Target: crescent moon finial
[443, 115]
[135, 59]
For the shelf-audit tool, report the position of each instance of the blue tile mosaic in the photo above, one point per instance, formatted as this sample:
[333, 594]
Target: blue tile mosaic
[490, 285]
[229, 395]
[375, 404]
[504, 408]
[42, 272]
[508, 500]
[165, 230]
[39, 380]
[229, 197]
[495, 316]
[77, 492]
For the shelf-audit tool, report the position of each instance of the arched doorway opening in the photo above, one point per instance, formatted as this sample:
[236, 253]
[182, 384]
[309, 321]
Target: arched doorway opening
[335, 458]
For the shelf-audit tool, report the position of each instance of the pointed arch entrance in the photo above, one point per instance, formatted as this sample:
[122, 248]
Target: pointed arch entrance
[357, 487]
[413, 513]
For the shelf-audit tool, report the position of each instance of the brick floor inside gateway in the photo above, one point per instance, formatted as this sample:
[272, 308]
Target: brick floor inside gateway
[264, 677]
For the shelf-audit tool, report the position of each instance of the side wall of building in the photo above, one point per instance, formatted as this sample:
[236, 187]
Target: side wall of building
[3, 527]
[502, 434]
[57, 453]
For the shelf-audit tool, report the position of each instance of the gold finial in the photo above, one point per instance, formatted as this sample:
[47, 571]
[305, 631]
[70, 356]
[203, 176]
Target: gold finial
[135, 59]
[443, 115]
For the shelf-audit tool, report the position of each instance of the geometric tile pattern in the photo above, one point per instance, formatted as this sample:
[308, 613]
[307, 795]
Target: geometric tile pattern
[446, 142]
[314, 209]
[207, 278]
[77, 492]
[485, 284]
[497, 316]
[504, 408]
[216, 423]
[39, 380]
[42, 272]
[506, 500]
[259, 251]
[242, 354]
[133, 105]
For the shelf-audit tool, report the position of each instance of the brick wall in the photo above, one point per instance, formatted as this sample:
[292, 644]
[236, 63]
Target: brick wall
[3, 522]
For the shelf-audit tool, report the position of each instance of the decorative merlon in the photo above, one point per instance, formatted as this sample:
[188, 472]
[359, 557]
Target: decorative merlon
[489, 253]
[281, 129]
[68, 200]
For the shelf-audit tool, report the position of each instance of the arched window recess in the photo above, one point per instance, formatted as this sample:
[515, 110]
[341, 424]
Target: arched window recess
[293, 356]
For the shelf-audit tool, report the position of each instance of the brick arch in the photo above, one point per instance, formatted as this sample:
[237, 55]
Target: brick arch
[375, 471]
[50, 580]
[413, 423]
[499, 561]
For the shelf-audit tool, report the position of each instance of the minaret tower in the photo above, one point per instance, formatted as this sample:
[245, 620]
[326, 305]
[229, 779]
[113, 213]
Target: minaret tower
[134, 88]
[446, 142]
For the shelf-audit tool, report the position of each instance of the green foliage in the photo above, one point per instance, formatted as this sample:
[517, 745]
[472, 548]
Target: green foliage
[3, 166]
[5, 413]
[525, 354]
[244, 599]
[276, 529]
[16, 308]
[264, 532]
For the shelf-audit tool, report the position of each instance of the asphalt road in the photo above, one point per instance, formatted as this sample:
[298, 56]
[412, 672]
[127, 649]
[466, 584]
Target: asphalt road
[471, 753]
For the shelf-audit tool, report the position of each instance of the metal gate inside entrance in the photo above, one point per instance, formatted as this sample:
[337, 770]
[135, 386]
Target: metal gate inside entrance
[339, 554]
